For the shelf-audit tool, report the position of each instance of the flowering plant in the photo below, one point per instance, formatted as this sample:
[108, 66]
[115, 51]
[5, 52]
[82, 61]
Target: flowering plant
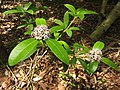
[42, 35]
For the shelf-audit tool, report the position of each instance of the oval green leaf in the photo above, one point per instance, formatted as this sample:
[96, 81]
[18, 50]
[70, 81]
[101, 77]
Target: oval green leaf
[59, 22]
[26, 6]
[30, 12]
[58, 50]
[11, 12]
[92, 67]
[109, 63]
[22, 51]
[56, 29]
[66, 19]
[71, 8]
[99, 45]
[40, 21]
[69, 33]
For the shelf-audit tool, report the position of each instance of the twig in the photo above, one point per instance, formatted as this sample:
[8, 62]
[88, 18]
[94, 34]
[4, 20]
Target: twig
[12, 73]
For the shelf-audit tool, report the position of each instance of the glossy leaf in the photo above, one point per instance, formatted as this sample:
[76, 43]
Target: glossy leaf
[30, 27]
[40, 21]
[56, 29]
[30, 12]
[26, 6]
[11, 12]
[66, 19]
[69, 33]
[109, 63]
[58, 50]
[21, 26]
[66, 46]
[84, 64]
[28, 32]
[81, 16]
[92, 67]
[71, 8]
[20, 8]
[59, 22]
[84, 11]
[22, 51]
[99, 45]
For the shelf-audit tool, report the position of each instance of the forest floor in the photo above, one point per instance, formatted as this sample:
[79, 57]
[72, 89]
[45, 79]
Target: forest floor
[45, 73]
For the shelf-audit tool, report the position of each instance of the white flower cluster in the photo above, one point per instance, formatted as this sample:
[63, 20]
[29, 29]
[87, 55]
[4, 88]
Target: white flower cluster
[95, 54]
[41, 32]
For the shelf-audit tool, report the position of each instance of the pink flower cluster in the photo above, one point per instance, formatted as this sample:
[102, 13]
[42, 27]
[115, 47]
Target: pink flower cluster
[95, 54]
[41, 32]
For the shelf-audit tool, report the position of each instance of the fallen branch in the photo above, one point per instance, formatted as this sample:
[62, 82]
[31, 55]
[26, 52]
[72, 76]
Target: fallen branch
[103, 27]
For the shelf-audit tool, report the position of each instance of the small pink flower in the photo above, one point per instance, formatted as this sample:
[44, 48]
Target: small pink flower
[41, 32]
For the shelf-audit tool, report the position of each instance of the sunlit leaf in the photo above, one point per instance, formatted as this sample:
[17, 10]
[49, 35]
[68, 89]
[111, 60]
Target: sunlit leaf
[66, 19]
[30, 12]
[109, 63]
[40, 21]
[66, 46]
[26, 6]
[58, 50]
[59, 22]
[30, 27]
[99, 45]
[84, 11]
[71, 8]
[69, 33]
[20, 8]
[11, 12]
[22, 51]
[28, 32]
[56, 29]
[21, 26]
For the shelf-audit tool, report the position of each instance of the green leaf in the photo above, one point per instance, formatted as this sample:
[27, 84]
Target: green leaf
[65, 67]
[69, 33]
[66, 19]
[56, 29]
[26, 6]
[30, 12]
[21, 26]
[84, 64]
[11, 12]
[40, 21]
[73, 60]
[74, 28]
[99, 45]
[22, 51]
[83, 51]
[109, 63]
[66, 46]
[59, 22]
[58, 50]
[56, 35]
[81, 16]
[28, 32]
[92, 67]
[84, 11]
[30, 27]
[71, 8]
[20, 8]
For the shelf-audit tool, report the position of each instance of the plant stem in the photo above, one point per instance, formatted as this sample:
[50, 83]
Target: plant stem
[70, 24]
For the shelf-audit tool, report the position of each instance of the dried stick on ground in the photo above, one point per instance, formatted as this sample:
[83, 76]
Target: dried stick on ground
[102, 28]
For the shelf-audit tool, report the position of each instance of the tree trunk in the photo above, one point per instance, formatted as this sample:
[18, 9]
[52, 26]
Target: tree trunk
[102, 28]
